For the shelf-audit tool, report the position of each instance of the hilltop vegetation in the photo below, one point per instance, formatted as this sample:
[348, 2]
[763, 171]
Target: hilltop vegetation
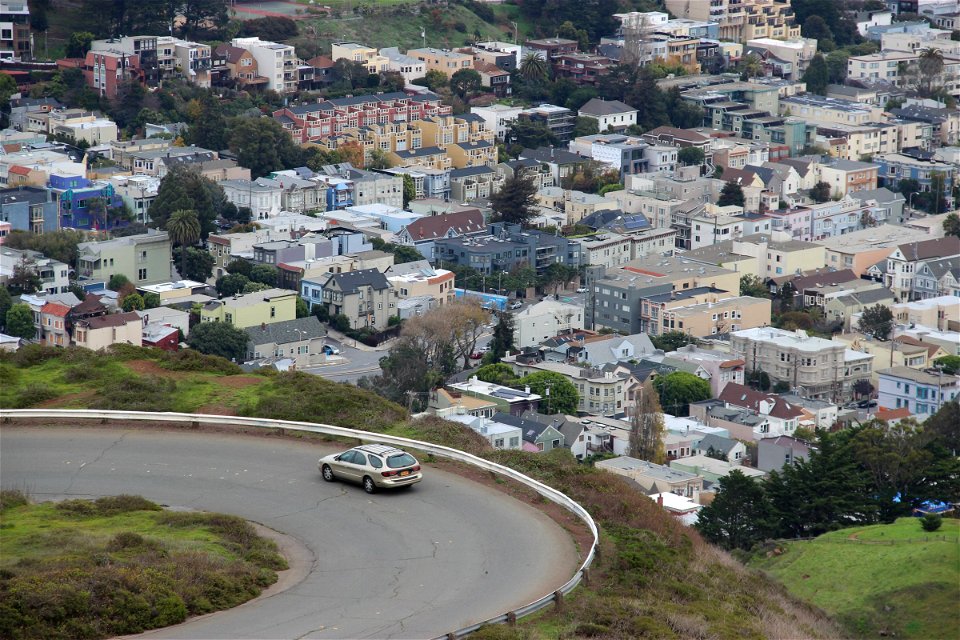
[654, 578]
[893, 579]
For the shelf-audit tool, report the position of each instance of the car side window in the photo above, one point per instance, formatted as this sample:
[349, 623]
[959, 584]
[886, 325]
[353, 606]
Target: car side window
[347, 457]
[359, 458]
[375, 462]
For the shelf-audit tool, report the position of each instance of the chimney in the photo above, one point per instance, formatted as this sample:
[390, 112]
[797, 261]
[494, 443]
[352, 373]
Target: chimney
[660, 501]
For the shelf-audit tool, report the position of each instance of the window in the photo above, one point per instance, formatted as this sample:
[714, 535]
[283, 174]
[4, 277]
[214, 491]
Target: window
[142, 274]
[555, 444]
[515, 441]
[273, 312]
[498, 443]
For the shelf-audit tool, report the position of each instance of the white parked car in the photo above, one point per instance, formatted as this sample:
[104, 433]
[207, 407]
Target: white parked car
[582, 290]
[516, 304]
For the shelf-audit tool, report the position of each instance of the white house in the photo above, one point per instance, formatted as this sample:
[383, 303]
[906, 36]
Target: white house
[261, 196]
[609, 114]
[499, 435]
[544, 320]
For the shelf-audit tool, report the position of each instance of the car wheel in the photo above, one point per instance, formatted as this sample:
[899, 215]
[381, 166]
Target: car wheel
[368, 485]
[327, 473]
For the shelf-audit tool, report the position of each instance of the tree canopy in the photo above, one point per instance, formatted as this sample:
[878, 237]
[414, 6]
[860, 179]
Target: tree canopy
[219, 339]
[557, 392]
[876, 321]
[515, 200]
[732, 193]
[678, 389]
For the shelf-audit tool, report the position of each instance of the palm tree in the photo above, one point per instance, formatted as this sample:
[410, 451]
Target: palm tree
[533, 68]
[931, 66]
[184, 229]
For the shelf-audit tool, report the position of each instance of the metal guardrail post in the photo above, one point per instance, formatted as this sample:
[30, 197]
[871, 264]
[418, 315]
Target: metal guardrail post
[195, 419]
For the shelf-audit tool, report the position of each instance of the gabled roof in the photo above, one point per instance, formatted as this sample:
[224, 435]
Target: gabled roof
[741, 396]
[530, 429]
[230, 53]
[926, 249]
[677, 134]
[431, 227]
[55, 309]
[350, 281]
[552, 155]
[821, 277]
[113, 320]
[719, 443]
[737, 176]
[601, 107]
[942, 266]
[90, 304]
[468, 172]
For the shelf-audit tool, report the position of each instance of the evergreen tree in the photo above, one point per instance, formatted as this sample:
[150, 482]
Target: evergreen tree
[732, 193]
[817, 75]
[502, 341]
[820, 192]
[647, 98]
[739, 516]
[219, 339]
[19, 322]
[515, 200]
[876, 321]
[210, 129]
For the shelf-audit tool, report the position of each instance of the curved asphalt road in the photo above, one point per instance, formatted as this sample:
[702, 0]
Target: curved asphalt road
[413, 564]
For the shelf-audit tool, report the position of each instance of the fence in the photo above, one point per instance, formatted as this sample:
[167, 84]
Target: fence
[196, 419]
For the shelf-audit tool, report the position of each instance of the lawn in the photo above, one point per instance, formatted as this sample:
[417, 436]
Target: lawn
[120, 565]
[899, 579]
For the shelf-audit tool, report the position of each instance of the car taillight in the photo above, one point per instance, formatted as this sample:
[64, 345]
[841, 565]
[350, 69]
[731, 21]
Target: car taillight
[416, 468]
[387, 474]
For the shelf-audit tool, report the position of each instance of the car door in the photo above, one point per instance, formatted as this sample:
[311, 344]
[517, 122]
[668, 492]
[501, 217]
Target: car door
[356, 466]
[343, 466]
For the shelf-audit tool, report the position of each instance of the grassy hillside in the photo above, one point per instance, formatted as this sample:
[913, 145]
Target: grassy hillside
[894, 580]
[653, 579]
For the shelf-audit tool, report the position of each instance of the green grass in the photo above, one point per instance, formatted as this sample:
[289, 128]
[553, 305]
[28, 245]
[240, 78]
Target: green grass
[120, 565]
[902, 580]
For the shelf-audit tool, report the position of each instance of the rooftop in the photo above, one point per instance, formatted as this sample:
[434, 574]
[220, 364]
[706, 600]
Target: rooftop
[920, 377]
[648, 469]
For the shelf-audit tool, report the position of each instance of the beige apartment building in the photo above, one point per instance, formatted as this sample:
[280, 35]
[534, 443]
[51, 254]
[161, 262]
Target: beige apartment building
[143, 258]
[422, 280]
[741, 20]
[367, 56]
[252, 309]
[712, 318]
[102, 331]
[817, 368]
[443, 60]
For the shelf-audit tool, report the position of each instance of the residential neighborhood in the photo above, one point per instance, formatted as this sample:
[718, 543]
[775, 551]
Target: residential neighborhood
[691, 244]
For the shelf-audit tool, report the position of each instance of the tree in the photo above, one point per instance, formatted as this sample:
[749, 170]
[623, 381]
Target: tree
[185, 189]
[378, 160]
[515, 200]
[820, 192]
[19, 322]
[931, 68]
[758, 379]
[876, 321]
[678, 389]
[151, 300]
[585, 127]
[683, 113]
[303, 311]
[751, 285]
[117, 281]
[863, 388]
[646, 427]
[530, 133]
[672, 340]
[133, 302]
[6, 301]
[239, 266]
[25, 278]
[219, 339]
[649, 101]
[497, 373]
[951, 225]
[408, 375]
[465, 320]
[691, 155]
[465, 82]
[199, 13]
[409, 190]
[816, 27]
[739, 516]
[197, 265]
[209, 131]
[950, 365]
[262, 145]
[232, 284]
[265, 274]
[502, 340]
[79, 43]
[817, 75]
[184, 229]
[732, 193]
[557, 392]
[931, 522]
[534, 68]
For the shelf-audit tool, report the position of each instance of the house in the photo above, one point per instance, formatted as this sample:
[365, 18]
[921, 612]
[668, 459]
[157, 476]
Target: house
[903, 262]
[937, 277]
[922, 392]
[847, 176]
[162, 336]
[494, 78]
[784, 418]
[654, 478]
[542, 320]
[364, 296]
[721, 367]
[53, 323]
[600, 350]
[840, 308]
[407, 66]
[562, 165]
[54, 275]
[276, 62]
[102, 331]
[144, 258]
[818, 414]
[609, 114]
[726, 449]
[775, 453]
[445, 404]
[241, 66]
[499, 434]
[28, 208]
[300, 339]
[682, 508]
[417, 279]
[473, 183]
[507, 399]
[252, 309]
[262, 196]
[537, 436]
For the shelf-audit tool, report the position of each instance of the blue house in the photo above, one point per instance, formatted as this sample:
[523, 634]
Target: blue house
[74, 194]
[29, 209]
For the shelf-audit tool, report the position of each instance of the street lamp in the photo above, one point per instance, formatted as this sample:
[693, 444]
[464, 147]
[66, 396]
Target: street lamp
[910, 199]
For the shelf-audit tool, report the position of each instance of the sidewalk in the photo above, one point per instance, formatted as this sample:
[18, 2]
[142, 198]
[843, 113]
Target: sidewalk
[355, 344]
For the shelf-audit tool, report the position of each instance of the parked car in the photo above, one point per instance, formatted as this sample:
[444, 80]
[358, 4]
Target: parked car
[582, 290]
[374, 466]
[516, 304]
[330, 350]
[867, 404]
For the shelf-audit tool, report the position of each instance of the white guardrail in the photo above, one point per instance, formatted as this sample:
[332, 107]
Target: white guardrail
[196, 419]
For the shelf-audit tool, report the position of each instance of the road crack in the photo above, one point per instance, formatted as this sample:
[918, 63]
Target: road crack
[94, 461]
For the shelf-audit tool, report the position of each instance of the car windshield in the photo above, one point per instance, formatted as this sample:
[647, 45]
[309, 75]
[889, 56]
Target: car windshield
[400, 460]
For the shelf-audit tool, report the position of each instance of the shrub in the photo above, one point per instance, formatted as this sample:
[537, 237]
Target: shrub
[34, 394]
[190, 360]
[112, 505]
[10, 498]
[125, 540]
[149, 393]
[931, 522]
[32, 355]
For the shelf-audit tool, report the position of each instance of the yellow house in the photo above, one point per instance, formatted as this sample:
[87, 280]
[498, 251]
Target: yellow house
[367, 56]
[262, 307]
[102, 331]
[443, 60]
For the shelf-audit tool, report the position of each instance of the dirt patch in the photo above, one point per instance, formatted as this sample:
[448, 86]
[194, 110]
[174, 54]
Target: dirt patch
[149, 367]
[217, 410]
[237, 382]
[64, 400]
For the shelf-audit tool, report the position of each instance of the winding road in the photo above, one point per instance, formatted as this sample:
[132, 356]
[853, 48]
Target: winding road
[414, 564]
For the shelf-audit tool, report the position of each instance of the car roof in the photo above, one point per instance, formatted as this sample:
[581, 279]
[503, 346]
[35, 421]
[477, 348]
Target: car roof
[379, 449]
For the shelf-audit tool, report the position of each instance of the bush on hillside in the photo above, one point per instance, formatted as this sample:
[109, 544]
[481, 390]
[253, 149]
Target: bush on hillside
[931, 522]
